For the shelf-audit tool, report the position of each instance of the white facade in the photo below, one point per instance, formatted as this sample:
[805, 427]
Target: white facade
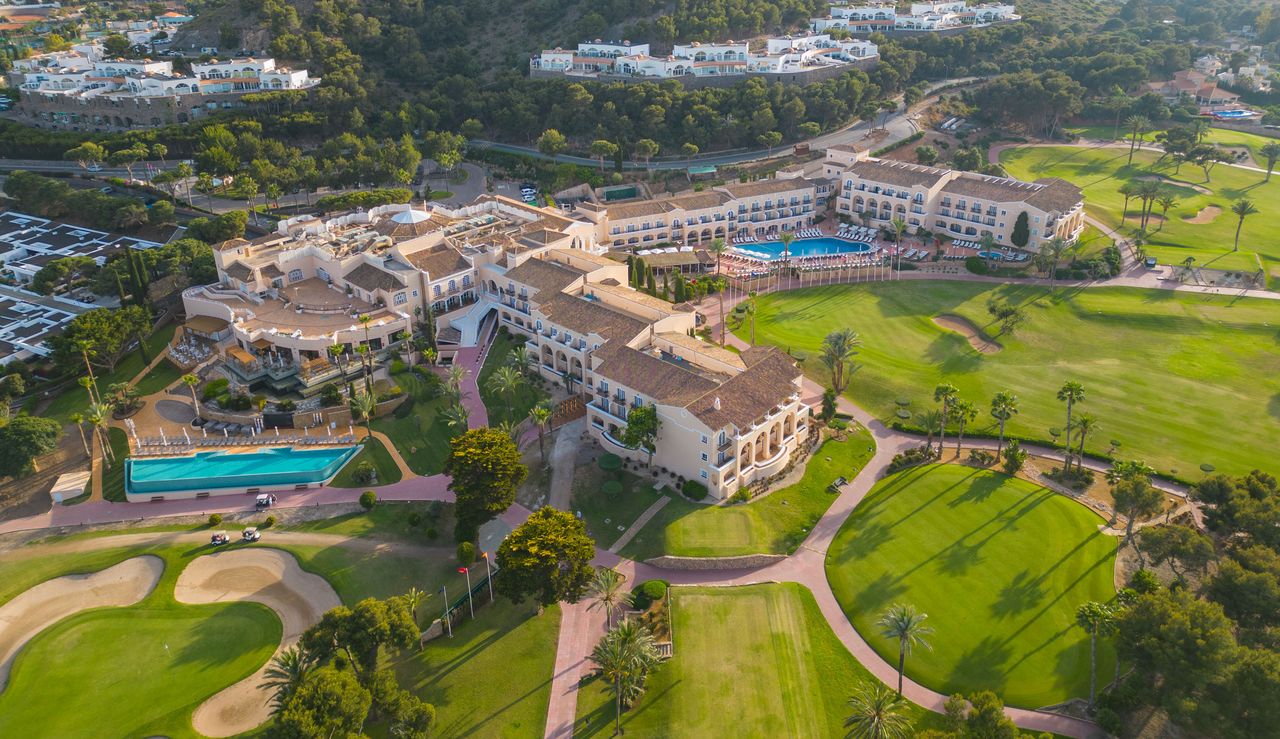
[781, 56]
[928, 16]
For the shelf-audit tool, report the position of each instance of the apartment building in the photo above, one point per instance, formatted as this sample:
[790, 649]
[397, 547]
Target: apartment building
[960, 204]
[946, 16]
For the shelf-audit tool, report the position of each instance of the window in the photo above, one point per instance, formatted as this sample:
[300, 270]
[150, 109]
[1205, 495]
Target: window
[453, 285]
[295, 275]
[401, 299]
[415, 293]
[435, 290]
[704, 472]
[704, 456]
[704, 438]
[539, 325]
[322, 274]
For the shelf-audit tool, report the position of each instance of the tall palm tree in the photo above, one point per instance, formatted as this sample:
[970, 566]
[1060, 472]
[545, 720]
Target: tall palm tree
[97, 418]
[751, 313]
[413, 599]
[838, 350]
[608, 592]
[1270, 152]
[946, 394]
[1128, 190]
[906, 624]
[521, 359]
[366, 356]
[1004, 405]
[786, 237]
[364, 404]
[718, 247]
[338, 353]
[965, 413]
[899, 227]
[876, 712]
[1166, 200]
[930, 420]
[457, 373]
[1070, 393]
[456, 417]
[1137, 126]
[506, 381]
[1084, 425]
[1243, 208]
[191, 381]
[720, 284]
[88, 382]
[540, 415]
[625, 657]
[1097, 619]
[286, 672]
[78, 420]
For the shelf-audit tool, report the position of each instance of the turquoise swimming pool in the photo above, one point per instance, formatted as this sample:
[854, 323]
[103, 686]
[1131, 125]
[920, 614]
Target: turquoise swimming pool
[267, 469]
[824, 246]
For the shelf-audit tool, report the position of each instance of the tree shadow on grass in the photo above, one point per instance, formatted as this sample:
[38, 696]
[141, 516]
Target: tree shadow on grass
[1273, 406]
[600, 721]
[209, 648]
[868, 539]
[959, 558]
[877, 593]
[1022, 593]
[982, 666]
[979, 490]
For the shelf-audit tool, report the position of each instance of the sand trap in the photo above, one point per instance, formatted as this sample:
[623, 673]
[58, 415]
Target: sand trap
[40, 607]
[267, 576]
[970, 332]
[1206, 215]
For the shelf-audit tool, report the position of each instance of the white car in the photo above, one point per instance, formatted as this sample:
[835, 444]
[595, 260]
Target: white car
[95, 167]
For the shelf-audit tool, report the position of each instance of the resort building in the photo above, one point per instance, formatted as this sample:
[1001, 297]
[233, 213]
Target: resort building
[804, 59]
[81, 90]
[929, 17]
[959, 204]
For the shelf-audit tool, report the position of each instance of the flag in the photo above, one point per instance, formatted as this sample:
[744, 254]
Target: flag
[485, 555]
[462, 570]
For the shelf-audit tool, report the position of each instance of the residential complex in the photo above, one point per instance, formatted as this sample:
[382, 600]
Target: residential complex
[82, 90]
[1198, 87]
[788, 58]
[953, 15]
[964, 204]
[28, 243]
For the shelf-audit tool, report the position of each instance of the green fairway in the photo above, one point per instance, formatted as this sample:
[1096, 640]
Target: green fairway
[754, 661]
[774, 524]
[998, 564]
[1169, 375]
[1101, 171]
[137, 671]
[493, 678]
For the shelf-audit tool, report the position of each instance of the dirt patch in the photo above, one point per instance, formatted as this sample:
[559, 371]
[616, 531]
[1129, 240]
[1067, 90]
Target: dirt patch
[38, 608]
[29, 495]
[974, 335]
[1206, 215]
[267, 576]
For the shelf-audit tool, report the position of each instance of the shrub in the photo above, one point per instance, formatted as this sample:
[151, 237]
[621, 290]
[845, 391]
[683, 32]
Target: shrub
[647, 592]
[368, 499]
[1109, 721]
[364, 472]
[1014, 457]
[240, 402]
[466, 553]
[610, 462]
[214, 388]
[742, 496]
[839, 424]
[397, 366]
[414, 519]
[1073, 478]
[693, 490]
[976, 265]
[215, 519]
[287, 406]
[611, 488]
[268, 522]
[981, 456]
[432, 534]
[1144, 581]
[330, 395]
[909, 458]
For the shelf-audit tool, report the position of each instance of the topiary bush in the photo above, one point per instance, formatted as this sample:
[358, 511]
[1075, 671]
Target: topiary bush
[611, 488]
[414, 519]
[909, 458]
[976, 265]
[647, 592]
[466, 553]
[363, 472]
[1014, 457]
[432, 534]
[609, 462]
[693, 490]
[268, 522]
[215, 519]
[368, 499]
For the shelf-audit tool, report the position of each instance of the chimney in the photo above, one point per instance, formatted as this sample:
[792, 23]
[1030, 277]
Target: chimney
[716, 403]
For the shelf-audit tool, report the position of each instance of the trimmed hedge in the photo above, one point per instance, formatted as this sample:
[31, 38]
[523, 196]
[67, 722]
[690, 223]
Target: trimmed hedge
[647, 592]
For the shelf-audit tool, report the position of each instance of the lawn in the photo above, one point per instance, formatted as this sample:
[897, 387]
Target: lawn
[151, 663]
[374, 452]
[415, 428]
[493, 678]
[998, 564]
[753, 661]
[160, 377]
[1220, 136]
[1101, 171]
[774, 524]
[500, 407]
[113, 476]
[1166, 374]
[604, 513]
[73, 399]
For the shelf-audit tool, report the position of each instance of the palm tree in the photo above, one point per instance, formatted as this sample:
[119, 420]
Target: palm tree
[1137, 126]
[718, 247]
[506, 381]
[1096, 619]
[366, 356]
[1166, 200]
[720, 285]
[508, 426]
[930, 420]
[78, 420]
[1271, 152]
[191, 381]
[413, 599]
[751, 313]
[457, 373]
[364, 404]
[838, 350]
[1243, 208]
[965, 412]
[1084, 424]
[540, 415]
[899, 227]
[286, 672]
[608, 592]
[876, 712]
[521, 359]
[1147, 191]
[338, 353]
[906, 624]
[1128, 190]
[1070, 393]
[456, 417]
[625, 657]
[786, 237]
[945, 394]
[1004, 405]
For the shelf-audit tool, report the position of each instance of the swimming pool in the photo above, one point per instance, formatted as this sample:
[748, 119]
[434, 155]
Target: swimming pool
[220, 472]
[824, 246]
[1234, 114]
[992, 255]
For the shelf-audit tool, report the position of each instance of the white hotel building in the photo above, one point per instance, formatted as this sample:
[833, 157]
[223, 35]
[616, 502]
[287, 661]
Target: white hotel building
[951, 15]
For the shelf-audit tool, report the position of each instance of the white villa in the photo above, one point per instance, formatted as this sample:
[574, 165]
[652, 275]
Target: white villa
[927, 16]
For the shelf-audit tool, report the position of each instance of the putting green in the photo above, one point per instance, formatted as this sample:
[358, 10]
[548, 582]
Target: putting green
[1101, 171]
[1172, 376]
[998, 564]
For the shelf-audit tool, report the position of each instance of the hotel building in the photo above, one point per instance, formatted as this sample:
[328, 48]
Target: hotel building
[952, 15]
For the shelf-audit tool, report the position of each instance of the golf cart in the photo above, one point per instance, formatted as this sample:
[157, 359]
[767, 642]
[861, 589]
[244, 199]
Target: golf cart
[251, 534]
[265, 501]
[219, 539]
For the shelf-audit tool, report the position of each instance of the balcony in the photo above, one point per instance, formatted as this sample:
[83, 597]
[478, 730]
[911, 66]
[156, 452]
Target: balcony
[614, 411]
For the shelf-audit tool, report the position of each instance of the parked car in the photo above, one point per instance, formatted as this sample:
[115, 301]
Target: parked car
[219, 539]
[106, 190]
[95, 167]
[250, 534]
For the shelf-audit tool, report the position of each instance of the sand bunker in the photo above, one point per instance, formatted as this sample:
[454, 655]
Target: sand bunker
[267, 576]
[970, 332]
[1178, 183]
[53, 600]
[1206, 215]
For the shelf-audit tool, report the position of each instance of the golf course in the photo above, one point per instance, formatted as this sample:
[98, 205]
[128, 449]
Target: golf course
[1166, 374]
[998, 565]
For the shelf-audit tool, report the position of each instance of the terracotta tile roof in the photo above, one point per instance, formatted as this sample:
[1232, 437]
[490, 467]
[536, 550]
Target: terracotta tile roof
[439, 261]
[767, 382]
[230, 244]
[1056, 195]
[543, 276]
[898, 174]
[369, 277]
[767, 187]
[270, 271]
[653, 378]
[701, 347]
[583, 316]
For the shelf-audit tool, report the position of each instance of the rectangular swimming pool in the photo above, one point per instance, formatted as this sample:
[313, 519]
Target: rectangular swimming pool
[824, 246]
[219, 472]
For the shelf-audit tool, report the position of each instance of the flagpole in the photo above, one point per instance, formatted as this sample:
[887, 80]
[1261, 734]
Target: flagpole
[488, 571]
[470, 601]
[447, 624]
